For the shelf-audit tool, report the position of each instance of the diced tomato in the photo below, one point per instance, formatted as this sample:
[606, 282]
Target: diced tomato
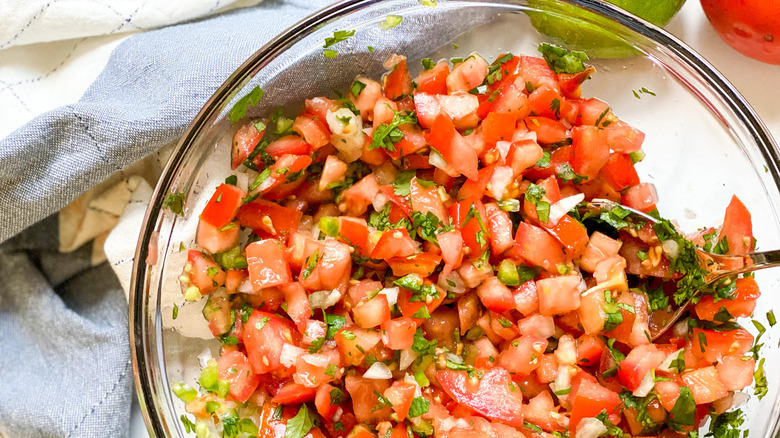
[324, 402]
[593, 110]
[244, 142]
[234, 367]
[475, 188]
[522, 355]
[590, 152]
[332, 269]
[394, 243]
[491, 396]
[498, 127]
[264, 335]
[450, 144]
[572, 234]
[222, 207]
[311, 370]
[423, 264]
[467, 74]
[313, 130]
[363, 392]
[298, 307]
[333, 171]
[398, 82]
[354, 232]
[539, 247]
[495, 296]
[292, 393]
[536, 72]
[400, 395]
[451, 245]
[400, 333]
[558, 295]
[234, 278]
[269, 217]
[198, 270]
[570, 83]
[589, 350]
[740, 304]
[354, 349]
[704, 384]
[470, 217]
[600, 247]
[214, 239]
[589, 399]
[642, 197]
[668, 392]
[290, 144]
[712, 345]
[356, 199]
[426, 199]
[500, 228]
[736, 373]
[433, 81]
[640, 361]
[547, 130]
[620, 137]
[526, 298]
[737, 228]
[548, 102]
[372, 313]
[267, 265]
[619, 171]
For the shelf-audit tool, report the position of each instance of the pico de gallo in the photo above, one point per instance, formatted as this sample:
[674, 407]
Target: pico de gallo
[411, 259]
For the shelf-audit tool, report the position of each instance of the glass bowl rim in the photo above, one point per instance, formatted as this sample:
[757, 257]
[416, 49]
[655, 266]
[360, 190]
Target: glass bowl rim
[298, 31]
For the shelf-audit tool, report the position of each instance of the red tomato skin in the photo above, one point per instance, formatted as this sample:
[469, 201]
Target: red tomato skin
[737, 228]
[717, 345]
[538, 247]
[742, 304]
[264, 345]
[394, 243]
[213, 240]
[445, 139]
[572, 234]
[589, 400]
[492, 397]
[522, 355]
[547, 130]
[751, 27]
[314, 131]
[589, 350]
[397, 83]
[290, 144]
[371, 313]
[590, 151]
[400, 332]
[469, 229]
[495, 296]
[222, 207]
[282, 220]
[267, 265]
[244, 142]
[638, 363]
[498, 127]
[619, 171]
[433, 81]
[234, 366]
[292, 393]
[362, 392]
[423, 264]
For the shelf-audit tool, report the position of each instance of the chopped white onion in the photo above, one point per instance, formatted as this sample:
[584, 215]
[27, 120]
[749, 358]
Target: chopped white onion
[503, 149]
[436, 160]
[378, 371]
[590, 428]
[666, 365]
[315, 231]
[646, 385]
[527, 135]
[391, 293]
[566, 353]
[671, 248]
[454, 358]
[318, 360]
[499, 181]
[379, 201]
[289, 354]
[450, 423]
[680, 329]
[323, 299]
[723, 404]
[740, 398]
[453, 282]
[338, 414]
[407, 357]
[346, 137]
[562, 380]
[242, 181]
[203, 358]
[560, 208]
[245, 287]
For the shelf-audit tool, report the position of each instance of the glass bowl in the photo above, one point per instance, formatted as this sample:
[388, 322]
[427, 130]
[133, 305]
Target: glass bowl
[703, 141]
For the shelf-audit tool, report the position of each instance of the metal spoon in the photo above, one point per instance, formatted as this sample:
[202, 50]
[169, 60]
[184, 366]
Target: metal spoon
[748, 263]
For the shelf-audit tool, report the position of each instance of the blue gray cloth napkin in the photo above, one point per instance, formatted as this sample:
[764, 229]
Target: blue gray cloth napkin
[63, 324]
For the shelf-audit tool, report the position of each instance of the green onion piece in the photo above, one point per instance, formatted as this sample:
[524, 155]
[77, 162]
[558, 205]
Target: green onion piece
[637, 156]
[184, 391]
[329, 225]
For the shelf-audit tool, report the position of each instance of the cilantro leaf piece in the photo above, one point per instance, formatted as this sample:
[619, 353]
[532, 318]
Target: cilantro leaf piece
[300, 425]
[386, 135]
[726, 425]
[686, 262]
[356, 88]
[561, 60]
[175, 203]
[402, 183]
[496, 71]
[338, 36]
[391, 21]
[682, 414]
[251, 99]
[419, 406]
[534, 194]
[423, 346]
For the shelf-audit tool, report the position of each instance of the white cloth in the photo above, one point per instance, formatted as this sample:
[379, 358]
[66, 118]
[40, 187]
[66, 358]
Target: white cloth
[51, 51]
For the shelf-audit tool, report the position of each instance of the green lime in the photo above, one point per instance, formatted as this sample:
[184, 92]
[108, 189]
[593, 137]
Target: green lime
[578, 29]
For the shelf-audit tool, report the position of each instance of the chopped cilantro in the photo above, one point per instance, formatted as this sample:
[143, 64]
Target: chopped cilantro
[561, 60]
[300, 425]
[419, 406]
[239, 109]
[338, 36]
[390, 22]
[386, 135]
[496, 72]
[175, 203]
[534, 195]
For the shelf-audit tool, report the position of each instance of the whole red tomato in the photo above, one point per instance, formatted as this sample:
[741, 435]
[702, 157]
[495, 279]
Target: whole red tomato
[750, 26]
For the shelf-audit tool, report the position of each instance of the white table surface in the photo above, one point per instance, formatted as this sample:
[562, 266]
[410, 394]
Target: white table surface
[750, 78]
